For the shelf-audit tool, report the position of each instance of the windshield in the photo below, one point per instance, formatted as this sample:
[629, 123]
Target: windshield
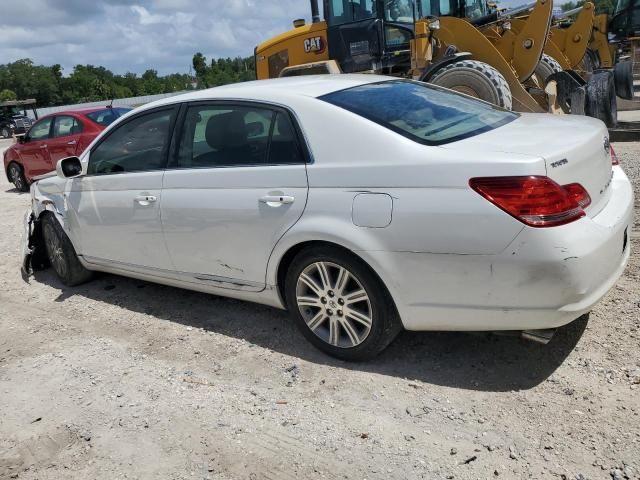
[423, 113]
[107, 116]
[475, 9]
[12, 111]
[622, 5]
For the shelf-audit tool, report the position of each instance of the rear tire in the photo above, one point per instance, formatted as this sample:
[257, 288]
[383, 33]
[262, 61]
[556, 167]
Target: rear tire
[601, 98]
[5, 132]
[547, 66]
[61, 254]
[339, 304]
[477, 79]
[15, 173]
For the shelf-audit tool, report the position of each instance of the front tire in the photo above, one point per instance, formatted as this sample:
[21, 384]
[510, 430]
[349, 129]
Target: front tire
[5, 133]
[339, 304]
[61, 254]
[477, 79]
[16, 176]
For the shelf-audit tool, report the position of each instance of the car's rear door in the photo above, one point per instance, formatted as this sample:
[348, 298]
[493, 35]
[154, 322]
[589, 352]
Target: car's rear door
[116, 205]
[65, 138]
[237, 184]
[34, 153]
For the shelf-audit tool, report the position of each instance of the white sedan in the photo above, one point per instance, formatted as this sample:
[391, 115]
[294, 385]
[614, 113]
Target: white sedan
[363, 204]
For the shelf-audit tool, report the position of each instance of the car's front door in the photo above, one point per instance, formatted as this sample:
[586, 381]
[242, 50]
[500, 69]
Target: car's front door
[35, 151]
[116, 205]
[65, 137]
[238, 184]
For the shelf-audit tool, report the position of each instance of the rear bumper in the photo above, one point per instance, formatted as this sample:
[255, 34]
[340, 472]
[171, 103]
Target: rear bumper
[546, 278]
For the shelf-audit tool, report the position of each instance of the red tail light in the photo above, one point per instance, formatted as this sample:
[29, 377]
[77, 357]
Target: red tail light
[614, 157]
[579, 194]
[535, 201]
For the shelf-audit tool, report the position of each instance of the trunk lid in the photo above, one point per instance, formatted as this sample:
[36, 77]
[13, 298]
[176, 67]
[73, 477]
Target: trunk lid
[575, 150]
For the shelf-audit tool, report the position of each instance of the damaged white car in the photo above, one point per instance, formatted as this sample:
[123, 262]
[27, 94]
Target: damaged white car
[365, 205]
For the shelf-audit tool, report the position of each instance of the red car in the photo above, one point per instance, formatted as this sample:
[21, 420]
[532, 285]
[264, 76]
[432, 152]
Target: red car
[56, 136]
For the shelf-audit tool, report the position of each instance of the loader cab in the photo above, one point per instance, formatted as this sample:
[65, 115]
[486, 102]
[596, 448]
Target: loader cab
[625, 21]
[370, 35]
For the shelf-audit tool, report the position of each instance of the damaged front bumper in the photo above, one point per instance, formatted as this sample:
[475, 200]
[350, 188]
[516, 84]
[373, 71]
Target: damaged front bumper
[27, 246]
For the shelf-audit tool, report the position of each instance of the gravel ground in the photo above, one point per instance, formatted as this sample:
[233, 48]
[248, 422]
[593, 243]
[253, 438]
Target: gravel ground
[126, 379]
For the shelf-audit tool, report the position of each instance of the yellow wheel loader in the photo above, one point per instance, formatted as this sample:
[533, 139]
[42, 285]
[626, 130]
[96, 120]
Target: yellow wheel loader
[437, 41]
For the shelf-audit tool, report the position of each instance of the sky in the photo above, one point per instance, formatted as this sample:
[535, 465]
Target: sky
[135, 35]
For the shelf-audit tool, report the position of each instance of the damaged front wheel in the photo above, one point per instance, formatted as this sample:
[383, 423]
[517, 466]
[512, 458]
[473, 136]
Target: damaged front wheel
[61, 254]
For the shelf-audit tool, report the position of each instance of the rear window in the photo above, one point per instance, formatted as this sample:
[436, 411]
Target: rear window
[107, 116]
[424, 113]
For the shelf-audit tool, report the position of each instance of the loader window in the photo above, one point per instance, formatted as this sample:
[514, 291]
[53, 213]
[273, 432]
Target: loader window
[424, 113]
[348, 11]
[436, 8]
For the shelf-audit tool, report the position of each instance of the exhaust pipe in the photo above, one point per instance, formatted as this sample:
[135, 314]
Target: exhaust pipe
[538, 336]
[315, 12]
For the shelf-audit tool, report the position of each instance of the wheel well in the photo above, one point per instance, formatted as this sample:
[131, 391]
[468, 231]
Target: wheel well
[287, 259]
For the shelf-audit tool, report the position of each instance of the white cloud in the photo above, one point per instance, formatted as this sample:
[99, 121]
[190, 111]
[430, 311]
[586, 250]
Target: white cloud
[136, 35]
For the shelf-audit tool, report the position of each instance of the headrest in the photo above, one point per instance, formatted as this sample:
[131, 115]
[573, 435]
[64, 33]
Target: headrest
[226, 130]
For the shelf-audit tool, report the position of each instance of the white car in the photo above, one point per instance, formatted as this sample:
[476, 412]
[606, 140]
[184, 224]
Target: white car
[363, 204]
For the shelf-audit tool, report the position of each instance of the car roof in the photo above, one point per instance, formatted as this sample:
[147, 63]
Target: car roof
[279, 89]
[85, 110]
[81, 111]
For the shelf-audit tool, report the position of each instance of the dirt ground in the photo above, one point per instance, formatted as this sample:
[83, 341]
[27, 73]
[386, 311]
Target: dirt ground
[126, 379]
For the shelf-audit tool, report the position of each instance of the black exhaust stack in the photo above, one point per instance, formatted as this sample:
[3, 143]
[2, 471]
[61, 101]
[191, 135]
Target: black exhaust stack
[315, 11]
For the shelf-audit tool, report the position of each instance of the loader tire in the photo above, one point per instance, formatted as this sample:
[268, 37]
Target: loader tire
[623, 76]
[590, 62]
[546, 66]
[601, 98]
[476, 79]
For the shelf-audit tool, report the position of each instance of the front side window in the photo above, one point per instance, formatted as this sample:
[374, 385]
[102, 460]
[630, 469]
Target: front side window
[65, 126]
[346, 11]
[228, 136]
[40, 130]
[139, 144]
[424, 113]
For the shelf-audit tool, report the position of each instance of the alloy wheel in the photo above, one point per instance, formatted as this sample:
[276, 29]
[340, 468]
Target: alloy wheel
[334, 304]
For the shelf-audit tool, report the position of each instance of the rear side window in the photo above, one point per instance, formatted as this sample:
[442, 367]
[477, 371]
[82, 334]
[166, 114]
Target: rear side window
[424, 113]
[107, 116]
[228, 136]
[138, 144]
[65, 126]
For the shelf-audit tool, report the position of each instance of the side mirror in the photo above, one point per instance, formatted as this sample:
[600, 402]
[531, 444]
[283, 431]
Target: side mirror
[69, 167]
[255, 129]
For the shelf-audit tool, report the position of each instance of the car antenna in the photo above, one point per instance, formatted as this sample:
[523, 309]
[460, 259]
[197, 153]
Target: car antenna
[111, 104]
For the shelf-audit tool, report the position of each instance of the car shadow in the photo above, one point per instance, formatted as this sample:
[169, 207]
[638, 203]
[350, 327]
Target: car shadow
[478, 361]
[15, 190]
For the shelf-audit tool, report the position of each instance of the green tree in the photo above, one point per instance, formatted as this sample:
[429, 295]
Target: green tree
[6, 95]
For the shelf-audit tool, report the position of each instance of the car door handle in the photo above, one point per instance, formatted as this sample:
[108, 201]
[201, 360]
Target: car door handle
[43, 147]
[277, 199]
[145, 199]
[72, 142]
